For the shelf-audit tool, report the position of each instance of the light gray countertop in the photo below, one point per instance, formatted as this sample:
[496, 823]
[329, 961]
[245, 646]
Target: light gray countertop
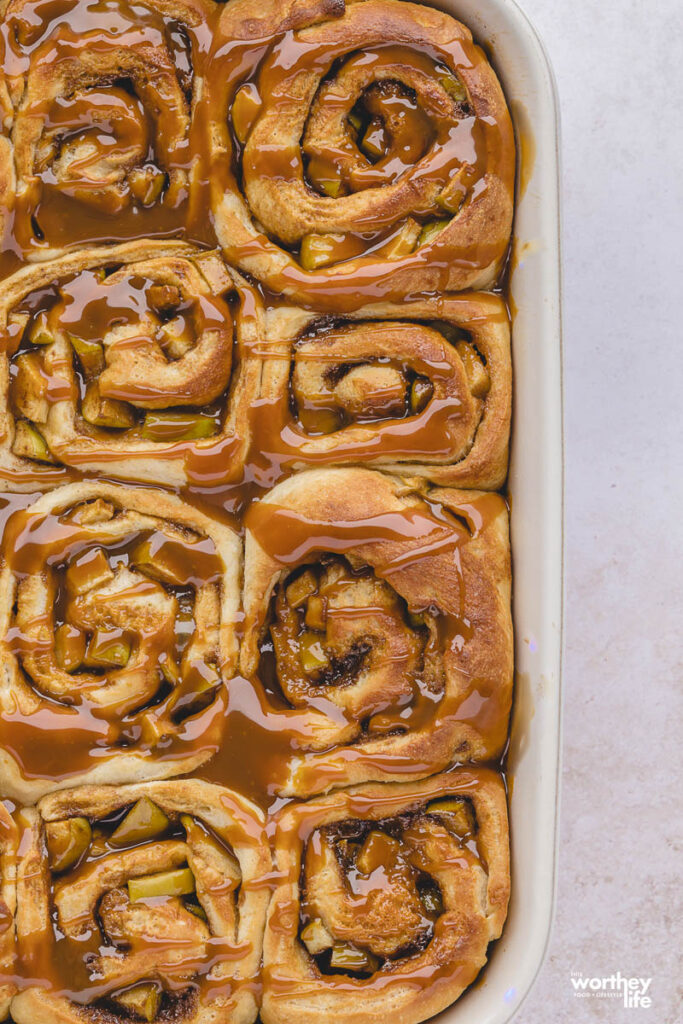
[618, 68]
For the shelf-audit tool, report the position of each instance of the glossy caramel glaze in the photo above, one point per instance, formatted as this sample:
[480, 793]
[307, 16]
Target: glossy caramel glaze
[416, 876]
[87, 926]
[360, 152]
[237, 411]
[378, 626]
[139, 361]
[422, 388]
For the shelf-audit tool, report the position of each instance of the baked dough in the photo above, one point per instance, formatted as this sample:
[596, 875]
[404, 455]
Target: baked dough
[388, 613]
[117, 637]
[422, 388]
[364, 150]
[400, 888]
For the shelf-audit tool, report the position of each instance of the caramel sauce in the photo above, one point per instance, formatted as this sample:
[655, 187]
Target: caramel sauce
[109, 124]
[350, 396]
[416, 135]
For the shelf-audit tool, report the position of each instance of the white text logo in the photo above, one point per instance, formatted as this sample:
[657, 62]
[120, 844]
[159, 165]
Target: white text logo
[633, 991]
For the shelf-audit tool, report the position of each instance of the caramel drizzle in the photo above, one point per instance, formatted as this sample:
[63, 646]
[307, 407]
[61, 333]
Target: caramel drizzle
[98, 163]
[191, 959]
[100, 713]
[69, 210]
[375, 391]
[407, 539]
[405, 829]
[259, 83]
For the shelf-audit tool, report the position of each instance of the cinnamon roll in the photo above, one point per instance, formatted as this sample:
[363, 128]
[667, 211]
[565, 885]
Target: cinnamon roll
[135, 360]
[118, 609]
[360, 151]
[422, 389]
[9, 845]
[99, 97]
[388, 898]
[377, 625]
[143, 903]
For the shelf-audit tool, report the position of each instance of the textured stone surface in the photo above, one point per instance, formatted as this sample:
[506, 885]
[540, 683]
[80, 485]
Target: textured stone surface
[618, 67]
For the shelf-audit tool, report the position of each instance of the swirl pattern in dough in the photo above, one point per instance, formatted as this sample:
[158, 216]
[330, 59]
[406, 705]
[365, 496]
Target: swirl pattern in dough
[377, 625]
[98, 102]
[387, 901]
[159, 893]
[422, 389]
[360, 150]
[135, 360]
[117, 637]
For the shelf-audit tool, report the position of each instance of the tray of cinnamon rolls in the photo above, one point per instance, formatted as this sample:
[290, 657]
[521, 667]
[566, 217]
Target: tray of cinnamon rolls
[256, 635]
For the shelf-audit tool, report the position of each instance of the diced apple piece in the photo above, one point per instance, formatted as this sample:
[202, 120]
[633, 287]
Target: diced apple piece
[477, 375]
[421, 392]
[457, 815]
[107, 651]
[316, 613]
[177, 426]
[30, 387]
[90, 354]
[316, 938]
[105, 412]
[312, 654]
[453, 195]
[67, 841]
[164, 298]
[431, 230]
[454, 87]
[176, 338]
[197, 910]
[29, 443]
[166, 883]
[300, 589]
[320, 250]
[374, 141]
[378, 850]
[331, 187]
[158, 562]
[144, 821]
[146, 184]
[143, 1001]
[404, 242]
[89, 570]
[39, 331]
[97, 511]
[432, 899]
[69, 647]
[170, 670]
[99, 845]
[348, 958]
[319, 421]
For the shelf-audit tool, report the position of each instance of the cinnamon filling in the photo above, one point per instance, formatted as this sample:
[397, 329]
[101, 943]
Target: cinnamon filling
[232, 235]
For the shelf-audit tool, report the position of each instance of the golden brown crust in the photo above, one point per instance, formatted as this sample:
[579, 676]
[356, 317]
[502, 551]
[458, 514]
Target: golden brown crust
[474, 884]
[420, 621]
[348, 391]
[302, 600]
[306, 86]
[143, 689]
[143, 367]
[9, 845]
[126, 65]
[212, 959]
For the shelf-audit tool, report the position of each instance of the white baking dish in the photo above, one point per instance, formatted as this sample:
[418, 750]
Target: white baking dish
[535, 488]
